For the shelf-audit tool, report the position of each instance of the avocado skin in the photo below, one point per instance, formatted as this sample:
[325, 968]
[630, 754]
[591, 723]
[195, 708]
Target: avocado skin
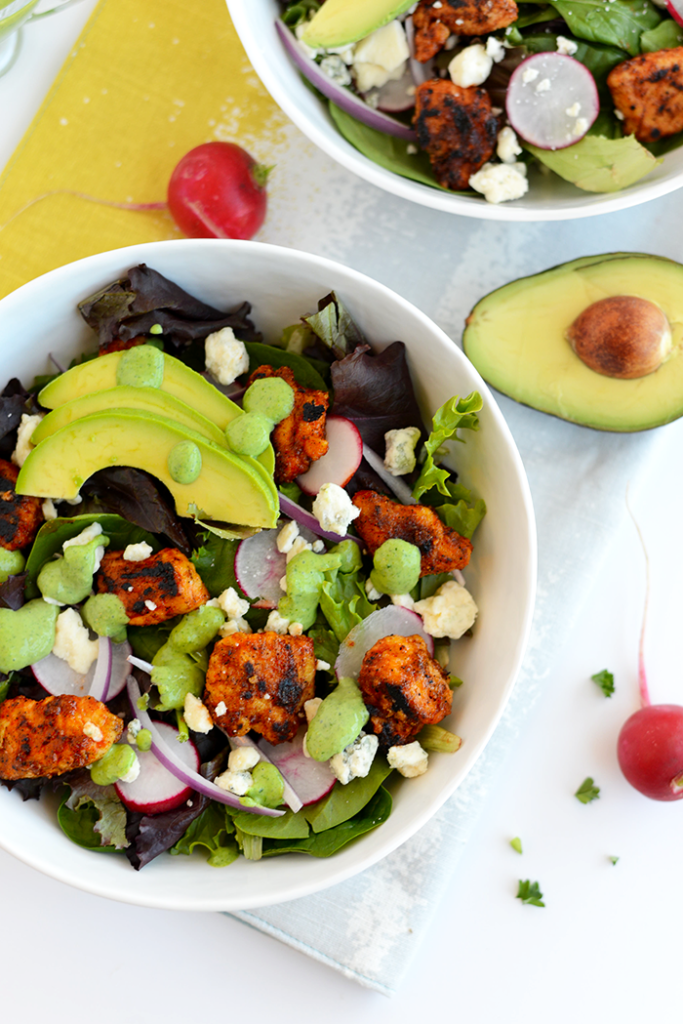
[339, 22]
[229, 488]
[515, 337]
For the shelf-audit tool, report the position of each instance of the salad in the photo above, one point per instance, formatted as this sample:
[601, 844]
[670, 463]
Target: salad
[467, 95]
[230, 580]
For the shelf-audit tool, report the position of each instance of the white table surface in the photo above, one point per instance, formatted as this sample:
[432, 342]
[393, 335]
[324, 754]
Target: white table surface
[605, 948]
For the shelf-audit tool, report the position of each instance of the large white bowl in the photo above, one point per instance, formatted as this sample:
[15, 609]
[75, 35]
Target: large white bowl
[549, 197]
[282, 284]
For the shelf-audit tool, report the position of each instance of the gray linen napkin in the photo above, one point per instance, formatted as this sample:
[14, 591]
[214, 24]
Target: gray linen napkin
[370, 926]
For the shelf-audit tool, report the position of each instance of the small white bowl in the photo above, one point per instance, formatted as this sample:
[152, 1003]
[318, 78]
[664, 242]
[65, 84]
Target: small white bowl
[548, 198]
[282, 284]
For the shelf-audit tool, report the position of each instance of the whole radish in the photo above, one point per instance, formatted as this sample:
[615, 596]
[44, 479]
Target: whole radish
[217, 190]
[650, 744]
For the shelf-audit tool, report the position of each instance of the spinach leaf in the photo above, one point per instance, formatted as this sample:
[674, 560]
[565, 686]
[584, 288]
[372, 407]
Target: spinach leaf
[211, 830]
[146, 640]
[289, 826]
[79, 825]
[530, 16]
[325, 643]
[344, 802]
[52, 535]
[617, 23]
[324, 844]
[215, 563]
[386, 150]
[305, 373]
[665, 36]
[597, 164]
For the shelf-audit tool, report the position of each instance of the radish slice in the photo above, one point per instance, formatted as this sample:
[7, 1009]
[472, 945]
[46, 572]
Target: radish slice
[312, 779]
[156, 789]
[340, 461]
[397, 94]
[419, 70]
[394, 483]
[172, 760]
[306, 519]
[57, 677]
[352, 104]
[291, 798]
[259, 566]
[552, 100]
[390, 621]
[675, 9]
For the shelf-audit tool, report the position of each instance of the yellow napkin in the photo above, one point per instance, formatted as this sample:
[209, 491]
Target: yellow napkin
[144, 84]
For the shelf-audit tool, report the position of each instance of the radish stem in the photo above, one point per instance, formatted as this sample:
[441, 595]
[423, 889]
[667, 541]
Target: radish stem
[642, 677]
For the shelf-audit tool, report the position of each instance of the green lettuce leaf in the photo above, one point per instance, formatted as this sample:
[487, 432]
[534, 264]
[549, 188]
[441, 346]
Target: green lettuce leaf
[215, 563]
[335, 326]
[289, 826]
[453, 415]
[324, 844]
[344, 603]
[597, 57]
[597, 164]
[344, 802]
[212, 831]
[667, 35]
[617, 23]
[93, 816]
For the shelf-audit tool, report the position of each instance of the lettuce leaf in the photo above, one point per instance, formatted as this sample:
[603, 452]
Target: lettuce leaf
[306, 374]
[453, 415]
[212, 831]
[617, 23]
[325, 844]
[667, 35]
[93, 816]
[215, 563]
[335, 327]
[344, 603]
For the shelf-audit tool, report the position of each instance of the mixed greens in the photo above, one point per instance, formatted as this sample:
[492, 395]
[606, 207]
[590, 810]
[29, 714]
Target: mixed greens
[330, 593]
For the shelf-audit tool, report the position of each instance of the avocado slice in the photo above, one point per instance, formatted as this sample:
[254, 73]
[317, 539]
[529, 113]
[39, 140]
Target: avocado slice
[339, 22]
[515, 336]
[228, 488]
[179, 380]
[153, 400]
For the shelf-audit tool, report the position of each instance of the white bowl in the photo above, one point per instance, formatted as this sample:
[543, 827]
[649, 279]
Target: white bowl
[549, 197]
[283, 284]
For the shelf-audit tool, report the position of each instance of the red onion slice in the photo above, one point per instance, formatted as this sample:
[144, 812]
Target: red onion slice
[398, 486]
[172, 761]
[304, 518]
[552, 100]
[390, 621]
[338, 93]
[675, 9]
[99, 688]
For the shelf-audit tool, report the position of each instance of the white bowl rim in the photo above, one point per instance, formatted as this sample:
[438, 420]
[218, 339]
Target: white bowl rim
[128, 892]
[353, 160]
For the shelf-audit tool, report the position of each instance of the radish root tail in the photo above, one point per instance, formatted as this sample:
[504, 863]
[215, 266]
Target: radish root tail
[642, 676]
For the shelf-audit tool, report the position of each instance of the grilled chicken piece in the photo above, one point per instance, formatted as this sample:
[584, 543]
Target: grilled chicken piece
[300, 438]
[403, 689]
[260, 681]
[42, 738]
[456, 127]
[648, 91]
[154, 589]
[433, 25]
[20, 515]
[442, 548]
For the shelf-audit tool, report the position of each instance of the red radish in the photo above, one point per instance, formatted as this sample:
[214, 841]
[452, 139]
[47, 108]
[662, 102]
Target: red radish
[397, 94]
[340, 462]
[259, 566]
[675, 9]
[156, 789]
[104, 680]
[290, 796]
[167, 753]
[218, 190]
[339, 94]
[312, 780]
[650, 744]
[552, 100]
[390, 621]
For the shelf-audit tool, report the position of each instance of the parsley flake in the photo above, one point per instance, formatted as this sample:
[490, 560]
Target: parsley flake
[587, 791]
[605, 680]
[614, 859]
[529, 892]
[516, 844]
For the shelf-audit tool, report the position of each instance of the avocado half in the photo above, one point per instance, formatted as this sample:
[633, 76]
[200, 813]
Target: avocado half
[515, 337]
[339, 22]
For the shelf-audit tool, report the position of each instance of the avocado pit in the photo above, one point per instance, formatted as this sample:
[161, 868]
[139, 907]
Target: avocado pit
[622, 336]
